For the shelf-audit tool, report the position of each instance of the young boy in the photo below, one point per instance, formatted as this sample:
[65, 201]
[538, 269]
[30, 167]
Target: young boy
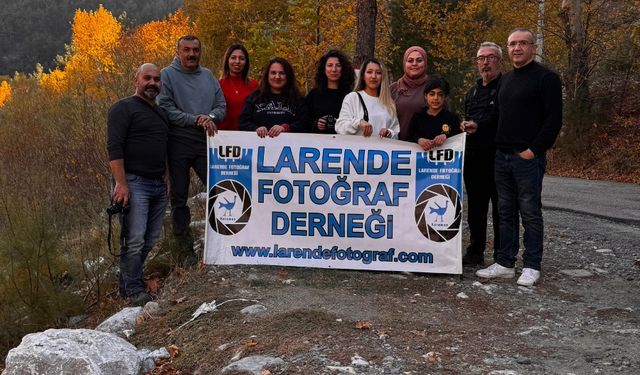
[431, 126]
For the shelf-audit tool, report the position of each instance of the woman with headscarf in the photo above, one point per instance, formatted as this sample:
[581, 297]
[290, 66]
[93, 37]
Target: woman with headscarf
[408, 91]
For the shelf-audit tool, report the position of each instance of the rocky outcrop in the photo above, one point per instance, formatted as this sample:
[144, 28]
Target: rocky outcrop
[73, 351]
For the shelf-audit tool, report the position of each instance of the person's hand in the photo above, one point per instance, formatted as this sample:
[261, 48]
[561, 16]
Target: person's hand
[207, 124]
[121, 194]
[527, 154]
[385, 133]
[425, 143]
[321, 124]
[367, 129]
[439, 140]
[275, 131]
[469, 127]
[262, 131]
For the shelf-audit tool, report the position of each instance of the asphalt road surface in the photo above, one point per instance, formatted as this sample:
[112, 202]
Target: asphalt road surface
[604, 199]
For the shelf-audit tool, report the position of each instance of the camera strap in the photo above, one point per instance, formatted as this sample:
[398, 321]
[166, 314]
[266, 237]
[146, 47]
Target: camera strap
[110, 216]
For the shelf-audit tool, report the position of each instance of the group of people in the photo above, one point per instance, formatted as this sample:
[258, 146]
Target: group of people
[158, 135]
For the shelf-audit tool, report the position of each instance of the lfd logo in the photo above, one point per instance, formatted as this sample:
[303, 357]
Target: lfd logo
[441, 155]
[229, 152]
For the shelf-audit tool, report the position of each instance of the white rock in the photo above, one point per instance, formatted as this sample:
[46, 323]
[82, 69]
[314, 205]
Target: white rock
[253, 365]
[577, 273]
[73, 351]
[358, 361]
[253, 309]
[503, 372]
[342, 369]
[462, 295]
[197, 223]
[151, 308]
[121, 321]
[604, 251]
[398, 276]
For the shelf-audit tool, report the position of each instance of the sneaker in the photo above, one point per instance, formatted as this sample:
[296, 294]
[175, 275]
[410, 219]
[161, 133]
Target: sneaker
[470, 259]
[529, 277]
[140, 299]
[495, 270]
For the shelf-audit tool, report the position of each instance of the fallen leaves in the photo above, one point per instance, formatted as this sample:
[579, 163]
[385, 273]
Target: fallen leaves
[173, 350]
[178, 301]
[139, 320]
[153, 286]
[363, 324]
[251, 343]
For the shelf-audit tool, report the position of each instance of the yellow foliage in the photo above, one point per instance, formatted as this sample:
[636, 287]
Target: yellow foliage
[54, 81]
[157, 40]
[94, 36]
[5, 93]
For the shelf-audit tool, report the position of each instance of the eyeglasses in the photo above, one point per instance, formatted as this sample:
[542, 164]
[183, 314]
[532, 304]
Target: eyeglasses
[521, 43]
[490, 58]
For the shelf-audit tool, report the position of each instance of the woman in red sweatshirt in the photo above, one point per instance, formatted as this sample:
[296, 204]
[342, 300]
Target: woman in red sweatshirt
[236, 84]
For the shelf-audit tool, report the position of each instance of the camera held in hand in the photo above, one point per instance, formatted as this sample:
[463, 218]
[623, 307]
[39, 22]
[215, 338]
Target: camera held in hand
[331, 123]
[116, 208]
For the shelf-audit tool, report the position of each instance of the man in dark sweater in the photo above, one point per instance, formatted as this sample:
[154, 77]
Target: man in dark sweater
[194, 102]
[530, 118]
[480, 123]
[137, 133]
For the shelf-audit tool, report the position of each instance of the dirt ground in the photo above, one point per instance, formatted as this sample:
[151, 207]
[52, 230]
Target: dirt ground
[356, 322]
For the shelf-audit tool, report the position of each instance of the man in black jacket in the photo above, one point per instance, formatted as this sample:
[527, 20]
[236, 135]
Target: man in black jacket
[530, 118]
[137, 134]
[480, 123]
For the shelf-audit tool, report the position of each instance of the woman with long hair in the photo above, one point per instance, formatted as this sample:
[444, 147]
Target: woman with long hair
[334, 80]
[369, 109]
[277, 105]
[236, 84]
[407, 92]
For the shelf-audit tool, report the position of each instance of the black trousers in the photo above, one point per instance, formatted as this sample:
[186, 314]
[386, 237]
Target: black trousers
[479, 180]
[183, 156]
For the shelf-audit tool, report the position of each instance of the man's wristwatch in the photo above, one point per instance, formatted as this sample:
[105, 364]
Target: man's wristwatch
[213, 117]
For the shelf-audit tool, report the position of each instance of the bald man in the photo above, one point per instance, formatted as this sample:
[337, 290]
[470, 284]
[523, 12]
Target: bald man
[137, 134]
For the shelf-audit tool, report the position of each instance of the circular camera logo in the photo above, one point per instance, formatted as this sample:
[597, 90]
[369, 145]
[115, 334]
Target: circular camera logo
[229, 207]
[438, 213]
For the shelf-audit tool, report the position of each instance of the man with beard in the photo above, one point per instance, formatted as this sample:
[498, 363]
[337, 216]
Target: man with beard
[481, 122]
[137, 134]
[194, 101]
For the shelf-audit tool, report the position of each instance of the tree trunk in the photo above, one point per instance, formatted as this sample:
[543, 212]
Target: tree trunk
[366, 12]
[540, 37]
[576, 77]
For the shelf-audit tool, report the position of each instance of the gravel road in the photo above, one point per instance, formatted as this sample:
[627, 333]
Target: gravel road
[582, 318]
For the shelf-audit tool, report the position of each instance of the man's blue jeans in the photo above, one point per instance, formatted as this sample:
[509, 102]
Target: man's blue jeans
[519, 185]
[141, 227]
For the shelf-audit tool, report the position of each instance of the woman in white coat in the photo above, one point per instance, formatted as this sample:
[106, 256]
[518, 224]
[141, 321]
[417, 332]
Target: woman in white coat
[369, 109]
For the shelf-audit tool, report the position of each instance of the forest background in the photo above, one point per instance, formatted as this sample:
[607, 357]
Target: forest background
[54, 180]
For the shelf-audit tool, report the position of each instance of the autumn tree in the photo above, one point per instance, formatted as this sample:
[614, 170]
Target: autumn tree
[5, 93]
[298, 30]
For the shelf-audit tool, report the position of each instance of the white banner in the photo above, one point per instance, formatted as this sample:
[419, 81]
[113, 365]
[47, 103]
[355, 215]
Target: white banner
[328, 201]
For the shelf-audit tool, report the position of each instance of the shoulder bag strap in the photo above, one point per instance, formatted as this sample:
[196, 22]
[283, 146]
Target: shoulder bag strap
[364, 107]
